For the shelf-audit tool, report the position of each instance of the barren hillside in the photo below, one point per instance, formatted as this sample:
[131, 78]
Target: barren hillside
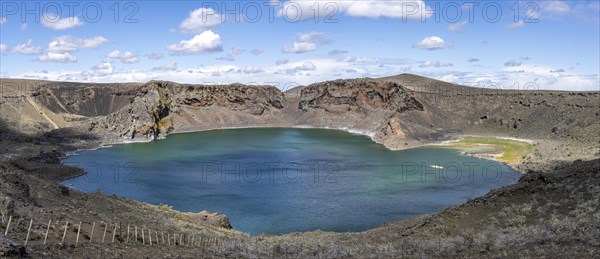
[44, 120]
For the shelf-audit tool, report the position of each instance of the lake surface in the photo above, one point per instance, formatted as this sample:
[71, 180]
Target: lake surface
[281, 180]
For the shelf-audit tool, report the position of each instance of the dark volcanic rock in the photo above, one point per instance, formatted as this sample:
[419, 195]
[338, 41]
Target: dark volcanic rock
[9, 248]
[387, 110]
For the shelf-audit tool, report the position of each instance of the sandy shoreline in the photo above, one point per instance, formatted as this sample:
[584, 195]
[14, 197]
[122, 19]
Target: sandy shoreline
[484, 154]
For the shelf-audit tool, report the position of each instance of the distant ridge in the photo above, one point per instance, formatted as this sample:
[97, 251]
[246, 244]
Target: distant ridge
[425, 84]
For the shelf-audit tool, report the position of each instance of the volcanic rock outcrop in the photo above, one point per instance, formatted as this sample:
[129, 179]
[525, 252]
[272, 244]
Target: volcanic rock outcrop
[400, 112]
[384, 110]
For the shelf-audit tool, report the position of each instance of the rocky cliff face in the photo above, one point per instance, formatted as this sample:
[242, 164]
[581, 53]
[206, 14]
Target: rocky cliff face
[400, 112]
[385, 110]
[202, 107]
[90, 100]
[531, 113]
[358, 95]
[157, 106]
[254, 100]
[147, 116]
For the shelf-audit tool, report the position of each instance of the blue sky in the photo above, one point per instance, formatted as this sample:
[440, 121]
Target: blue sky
[553, 44]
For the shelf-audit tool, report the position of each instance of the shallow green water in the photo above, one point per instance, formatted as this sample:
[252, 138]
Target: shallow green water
[280, 180]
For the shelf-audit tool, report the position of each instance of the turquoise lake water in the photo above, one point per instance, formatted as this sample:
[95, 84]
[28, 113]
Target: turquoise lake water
[281, 180]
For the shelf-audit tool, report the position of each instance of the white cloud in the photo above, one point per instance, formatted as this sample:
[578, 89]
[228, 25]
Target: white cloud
[306, 66]
[513, 63]
[515, 25]
[300, 47]
[60, 47]
[155, 55]
[257, 51]
[434, 63]
[457, 27]
[200, 20]
[231, 54]
[555, 6]
[543, 78]
[527, 76]
[583, 11]
[23, 26]
[235, 51]
[252, 70]
[390, 9]
[126, 57]
[398, 9]
[68, 43]
[27, 48]
[64, 57]
[314, 37]
[205, 42]
[532, 15]
[3, 48]
[282, 61]
[430, 43]
[166, 67]
[103, 69]
[226, 58]
[3, 20]
[61, 24]
[114, 54]
[302, 73]
[336, 52]
[306, 42]
[586, 11]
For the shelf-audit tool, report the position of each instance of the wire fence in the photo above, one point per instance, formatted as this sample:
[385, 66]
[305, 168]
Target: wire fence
[30, 231]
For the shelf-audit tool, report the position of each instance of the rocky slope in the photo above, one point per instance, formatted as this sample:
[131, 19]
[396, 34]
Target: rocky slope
[44, 120]
[400, 112]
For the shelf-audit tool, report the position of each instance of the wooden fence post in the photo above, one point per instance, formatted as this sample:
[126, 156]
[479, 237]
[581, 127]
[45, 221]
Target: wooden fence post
[28, 230]
[104, 235]
[114, 233]
[92, 233]
[65, 233]
[47, 230]
[78, 231]
[8, 225]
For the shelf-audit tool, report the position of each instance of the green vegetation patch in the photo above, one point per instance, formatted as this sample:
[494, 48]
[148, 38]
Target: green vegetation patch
[507, 150]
